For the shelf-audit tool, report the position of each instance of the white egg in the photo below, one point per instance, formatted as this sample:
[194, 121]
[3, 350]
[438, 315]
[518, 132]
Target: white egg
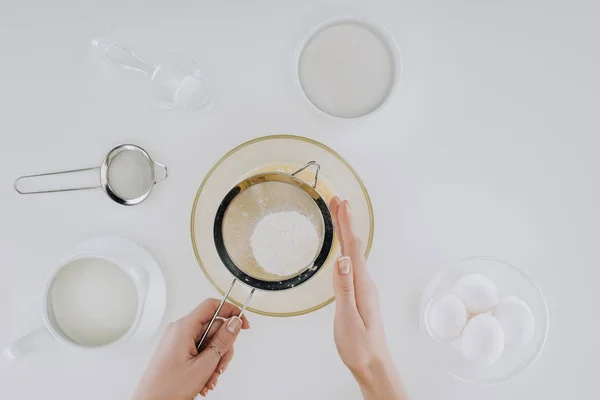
[478, 293]
[447, 317]
[516, 319]
[482, 341]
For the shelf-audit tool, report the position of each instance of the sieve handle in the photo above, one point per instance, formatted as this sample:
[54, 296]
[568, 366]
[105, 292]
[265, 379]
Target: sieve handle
[199, 344]
[225, 296]
[71, 171]
[307, 165]
[165, 174]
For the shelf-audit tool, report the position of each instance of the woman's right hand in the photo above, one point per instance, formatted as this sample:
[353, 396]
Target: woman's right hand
[358, 325]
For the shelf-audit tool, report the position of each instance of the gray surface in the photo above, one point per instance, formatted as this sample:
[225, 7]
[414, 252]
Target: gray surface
[489, 147]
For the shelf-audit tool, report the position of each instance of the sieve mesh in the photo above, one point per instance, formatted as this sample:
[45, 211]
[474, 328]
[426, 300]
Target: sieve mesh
[249, 207]
[130, 174]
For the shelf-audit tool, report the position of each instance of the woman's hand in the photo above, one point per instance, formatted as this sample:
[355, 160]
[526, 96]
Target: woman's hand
[358, 326]
[177, 371]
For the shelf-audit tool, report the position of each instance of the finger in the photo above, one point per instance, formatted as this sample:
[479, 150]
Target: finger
[212, 382]
[217, 325]
[225, 337]
[205, 311]
[220, 344]
[224, 363]
[334, 206]
[343, 285]
[367, 301]
[199, 317]
[214, 328]
[352, 247]
[221, 368]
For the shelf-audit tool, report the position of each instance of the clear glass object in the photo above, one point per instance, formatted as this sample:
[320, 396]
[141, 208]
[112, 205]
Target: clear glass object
[511, 281]
[176, 83]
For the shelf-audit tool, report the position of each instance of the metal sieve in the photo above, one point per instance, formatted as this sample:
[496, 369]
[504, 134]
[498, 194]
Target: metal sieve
[116, 177]
[244, 206]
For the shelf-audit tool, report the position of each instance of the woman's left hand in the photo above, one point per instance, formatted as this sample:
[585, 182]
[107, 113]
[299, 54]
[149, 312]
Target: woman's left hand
[177, 371]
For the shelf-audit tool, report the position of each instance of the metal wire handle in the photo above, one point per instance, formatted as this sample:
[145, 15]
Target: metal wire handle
[214, 317]
[71, 171]
[225, 296]
[165, 176]
[307, 165]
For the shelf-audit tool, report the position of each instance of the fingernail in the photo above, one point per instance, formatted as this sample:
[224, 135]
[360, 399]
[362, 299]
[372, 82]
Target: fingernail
[347, 206]
[234, 325]
[220, 371]
[203, 392]
[344, 264]
[224, 367]
[212, 387]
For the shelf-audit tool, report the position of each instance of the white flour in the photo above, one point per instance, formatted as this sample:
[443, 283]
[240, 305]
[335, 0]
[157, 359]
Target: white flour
[284, 243]
[346, 70]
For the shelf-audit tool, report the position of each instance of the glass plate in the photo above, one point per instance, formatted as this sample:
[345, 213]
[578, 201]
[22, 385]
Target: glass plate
[272, 153]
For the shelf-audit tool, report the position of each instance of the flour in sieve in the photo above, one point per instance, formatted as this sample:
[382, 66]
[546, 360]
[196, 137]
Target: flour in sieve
[284, 243]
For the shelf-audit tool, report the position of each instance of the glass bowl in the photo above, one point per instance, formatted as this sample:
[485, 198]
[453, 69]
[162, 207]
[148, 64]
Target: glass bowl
[511, 281]
[272, 153]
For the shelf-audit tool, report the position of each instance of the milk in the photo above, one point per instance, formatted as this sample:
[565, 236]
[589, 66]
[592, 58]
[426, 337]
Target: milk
[92, 301]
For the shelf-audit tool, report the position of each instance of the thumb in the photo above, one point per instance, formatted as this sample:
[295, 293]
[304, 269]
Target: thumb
[343, 285]
[221, 343]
